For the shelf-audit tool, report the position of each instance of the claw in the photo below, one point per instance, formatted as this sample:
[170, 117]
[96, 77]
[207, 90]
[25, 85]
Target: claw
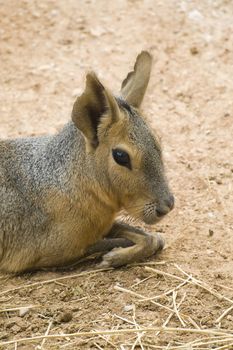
[107, 259]
[160, 242]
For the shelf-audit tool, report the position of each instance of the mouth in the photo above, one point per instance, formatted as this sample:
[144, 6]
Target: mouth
[153, 214]
[150, 220]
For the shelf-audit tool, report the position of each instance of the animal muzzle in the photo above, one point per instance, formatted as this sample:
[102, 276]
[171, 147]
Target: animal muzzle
[153, 212]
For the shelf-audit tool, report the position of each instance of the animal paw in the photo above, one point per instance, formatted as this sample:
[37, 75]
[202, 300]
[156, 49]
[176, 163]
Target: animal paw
[158, 242]
[112, 258]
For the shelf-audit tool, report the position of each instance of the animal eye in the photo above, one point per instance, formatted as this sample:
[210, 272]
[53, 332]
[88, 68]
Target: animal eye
[121, 157]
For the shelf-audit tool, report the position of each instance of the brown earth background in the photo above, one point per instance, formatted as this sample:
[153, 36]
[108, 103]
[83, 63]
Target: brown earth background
[46, 47]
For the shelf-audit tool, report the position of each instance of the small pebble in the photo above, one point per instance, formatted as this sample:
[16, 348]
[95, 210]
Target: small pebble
[128, 307]
[211, 232]
[209, 251]
[23, 311]
[15, 329]
[195, 15]
[194, 50]
[65, 317]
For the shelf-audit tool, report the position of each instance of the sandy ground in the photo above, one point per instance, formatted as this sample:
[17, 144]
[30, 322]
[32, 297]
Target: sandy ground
[45, 49]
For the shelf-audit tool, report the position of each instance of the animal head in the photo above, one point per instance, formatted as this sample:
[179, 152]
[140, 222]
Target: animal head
[124, 150]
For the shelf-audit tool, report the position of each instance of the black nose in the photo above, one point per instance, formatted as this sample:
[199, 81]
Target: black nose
[169, 204]
[161, 211]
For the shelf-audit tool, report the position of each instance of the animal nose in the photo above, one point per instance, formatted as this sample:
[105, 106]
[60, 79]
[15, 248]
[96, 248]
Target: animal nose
[162, 211]
[169, 204]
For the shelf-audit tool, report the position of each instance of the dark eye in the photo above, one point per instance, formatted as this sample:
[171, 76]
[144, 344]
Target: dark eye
[121, 157]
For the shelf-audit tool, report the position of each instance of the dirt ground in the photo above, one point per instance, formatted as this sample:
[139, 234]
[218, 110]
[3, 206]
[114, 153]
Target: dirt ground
[45, 49]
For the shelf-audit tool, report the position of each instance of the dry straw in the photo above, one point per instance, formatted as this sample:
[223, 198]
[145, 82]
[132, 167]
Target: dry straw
[122, 331]
[217, 338]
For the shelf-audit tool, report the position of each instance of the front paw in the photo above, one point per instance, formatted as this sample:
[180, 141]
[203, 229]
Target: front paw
[112, 259]
[147, 246]
[158, 242]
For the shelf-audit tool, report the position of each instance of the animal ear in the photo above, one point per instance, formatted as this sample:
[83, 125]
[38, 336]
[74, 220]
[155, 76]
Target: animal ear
[91, 106]
[134, 86]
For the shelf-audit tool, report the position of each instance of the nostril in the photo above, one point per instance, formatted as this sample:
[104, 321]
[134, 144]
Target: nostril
[161, 212]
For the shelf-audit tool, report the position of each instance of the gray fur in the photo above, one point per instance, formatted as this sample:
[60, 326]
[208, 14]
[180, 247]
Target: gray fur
[60, 194]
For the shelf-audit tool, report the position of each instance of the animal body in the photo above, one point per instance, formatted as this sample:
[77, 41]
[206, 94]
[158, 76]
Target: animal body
[60, 194]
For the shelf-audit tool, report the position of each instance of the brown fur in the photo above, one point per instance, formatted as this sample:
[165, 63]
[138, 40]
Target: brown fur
[60, 194]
